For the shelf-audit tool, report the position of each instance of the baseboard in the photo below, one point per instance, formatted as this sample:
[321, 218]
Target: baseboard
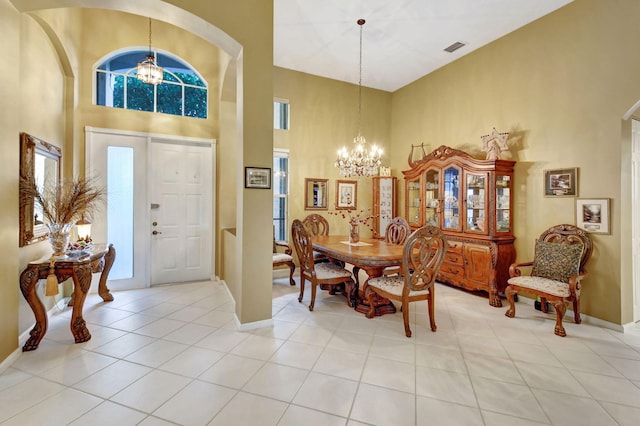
[631, 327]
[250, 325]
[8, 361]
[585, 318]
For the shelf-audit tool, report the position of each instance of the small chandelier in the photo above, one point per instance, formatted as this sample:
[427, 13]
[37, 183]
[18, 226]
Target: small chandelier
[148, 70]
[360, 161]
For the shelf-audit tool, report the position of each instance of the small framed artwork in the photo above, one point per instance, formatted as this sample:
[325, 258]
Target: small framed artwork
[592, 215]
[257, 177]
[561, 182]
[346, 195]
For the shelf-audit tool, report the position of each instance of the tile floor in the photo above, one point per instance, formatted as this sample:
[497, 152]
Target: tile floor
[171, 355]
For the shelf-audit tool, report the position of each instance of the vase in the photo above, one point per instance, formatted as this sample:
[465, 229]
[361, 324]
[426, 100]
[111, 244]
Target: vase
[59, 234]
[354, 233]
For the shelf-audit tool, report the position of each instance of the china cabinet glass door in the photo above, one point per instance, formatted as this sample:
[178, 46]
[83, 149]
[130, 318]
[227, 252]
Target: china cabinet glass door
[503, 203]
[413, 202]
[451, 195]
[431, 197]
[476, 193]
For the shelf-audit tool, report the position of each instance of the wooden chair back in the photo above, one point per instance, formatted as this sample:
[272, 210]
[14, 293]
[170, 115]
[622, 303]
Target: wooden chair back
[316, 224]
[570, 234]
[302, 243]
[424, 252]
[397, 231]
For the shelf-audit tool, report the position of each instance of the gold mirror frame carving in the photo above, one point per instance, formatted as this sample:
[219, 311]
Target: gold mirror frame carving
[29, 147]
[316, 194]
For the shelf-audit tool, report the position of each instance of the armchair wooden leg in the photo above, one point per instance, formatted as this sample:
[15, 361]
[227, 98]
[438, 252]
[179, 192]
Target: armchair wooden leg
[405, 317]
[313, 294]
[561, 309]
[544, 305]
[576, 310]
[370, 295]
[301, 287]
[431, 307]
[292, 268]
[510, 292]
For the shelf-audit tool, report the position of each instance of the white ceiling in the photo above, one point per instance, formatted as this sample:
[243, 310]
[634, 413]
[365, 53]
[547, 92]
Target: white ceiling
[403, 40]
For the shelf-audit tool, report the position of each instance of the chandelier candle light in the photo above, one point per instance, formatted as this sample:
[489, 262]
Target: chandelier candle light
[148, 70]
[360, 161]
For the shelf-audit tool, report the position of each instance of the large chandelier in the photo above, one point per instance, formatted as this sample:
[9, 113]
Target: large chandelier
[148, 70]
[360, 161]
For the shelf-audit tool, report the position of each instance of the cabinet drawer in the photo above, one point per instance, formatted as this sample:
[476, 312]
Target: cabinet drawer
[453, 257]
[454, 247]
[454, 270]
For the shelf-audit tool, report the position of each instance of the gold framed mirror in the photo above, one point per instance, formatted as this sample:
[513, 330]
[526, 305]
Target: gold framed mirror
[42, 162]
[316, 194]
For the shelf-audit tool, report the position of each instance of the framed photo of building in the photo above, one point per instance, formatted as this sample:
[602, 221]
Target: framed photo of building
[257, 177]
[592, 215]
[346, 195]
[561, 182]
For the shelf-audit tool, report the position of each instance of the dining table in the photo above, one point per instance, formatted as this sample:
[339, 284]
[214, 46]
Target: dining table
[371, 255]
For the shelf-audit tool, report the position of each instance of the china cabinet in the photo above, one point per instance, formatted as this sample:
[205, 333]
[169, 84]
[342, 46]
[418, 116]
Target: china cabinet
[384, 203]
[471, 201]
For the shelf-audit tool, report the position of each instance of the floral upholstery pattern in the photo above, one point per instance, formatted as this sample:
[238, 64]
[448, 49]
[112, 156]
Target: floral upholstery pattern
[281, 258]
[556, 261]
[556, 288]
[331, 270]
[392, 284]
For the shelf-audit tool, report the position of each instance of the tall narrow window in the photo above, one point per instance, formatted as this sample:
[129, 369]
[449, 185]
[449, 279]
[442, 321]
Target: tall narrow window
[280, 193]
[120, 209]
[281, 114]
[182, 92]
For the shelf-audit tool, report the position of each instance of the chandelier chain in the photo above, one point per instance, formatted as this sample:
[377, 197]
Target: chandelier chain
[361, 23]
[150, 36]
[360, 161]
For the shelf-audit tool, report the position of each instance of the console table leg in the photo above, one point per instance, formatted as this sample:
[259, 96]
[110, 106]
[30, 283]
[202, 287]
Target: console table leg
[81, 284]
[103, 290]
[28, 281]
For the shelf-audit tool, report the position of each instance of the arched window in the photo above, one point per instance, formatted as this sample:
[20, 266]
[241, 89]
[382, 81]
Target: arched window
[182, 92]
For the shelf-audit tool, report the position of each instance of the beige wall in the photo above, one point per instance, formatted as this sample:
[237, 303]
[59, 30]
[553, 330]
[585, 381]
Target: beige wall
[324, 118]
[10, 22]
[560, 86]
[75, 44]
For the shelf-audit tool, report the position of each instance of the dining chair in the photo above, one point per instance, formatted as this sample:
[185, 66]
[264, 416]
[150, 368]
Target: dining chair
[396, 232]
[317, 225]
[558, 266]
[325, 273]
[283, 258]
[423, 253]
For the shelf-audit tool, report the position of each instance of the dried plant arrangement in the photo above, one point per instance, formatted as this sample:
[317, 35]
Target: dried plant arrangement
[67, 202]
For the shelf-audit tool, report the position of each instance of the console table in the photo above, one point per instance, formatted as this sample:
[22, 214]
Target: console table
[98, 258]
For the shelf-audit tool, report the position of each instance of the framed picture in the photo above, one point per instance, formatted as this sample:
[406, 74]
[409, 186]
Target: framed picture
[592, 215]
[346, 194]
[257, 177]
[561, 182]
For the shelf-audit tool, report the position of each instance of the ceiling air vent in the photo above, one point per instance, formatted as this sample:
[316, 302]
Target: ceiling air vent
[455, 46]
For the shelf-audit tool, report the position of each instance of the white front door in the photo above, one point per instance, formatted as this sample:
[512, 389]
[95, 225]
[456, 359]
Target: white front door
[635, 197]
[180, 211]
[139, 169]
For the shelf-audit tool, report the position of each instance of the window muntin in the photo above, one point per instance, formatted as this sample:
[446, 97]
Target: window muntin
[281, 114]
[183, 91]
[280, 193]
